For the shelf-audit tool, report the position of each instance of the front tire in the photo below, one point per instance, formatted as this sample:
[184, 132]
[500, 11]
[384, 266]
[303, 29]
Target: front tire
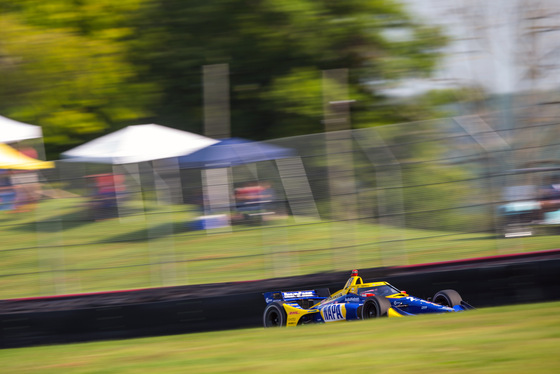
[274, 315]
[449, 298]
[374, 307]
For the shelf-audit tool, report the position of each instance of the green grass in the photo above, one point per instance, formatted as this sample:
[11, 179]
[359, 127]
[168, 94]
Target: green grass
[54, 250]
[518, 339]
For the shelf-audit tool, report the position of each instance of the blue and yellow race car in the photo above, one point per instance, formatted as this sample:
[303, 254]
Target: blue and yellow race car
[357, 300]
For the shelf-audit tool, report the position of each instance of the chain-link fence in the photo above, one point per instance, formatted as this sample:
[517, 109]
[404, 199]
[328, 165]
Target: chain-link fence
[382, 196]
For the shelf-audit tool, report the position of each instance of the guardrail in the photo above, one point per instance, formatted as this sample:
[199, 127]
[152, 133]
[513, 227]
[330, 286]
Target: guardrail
[482, 282]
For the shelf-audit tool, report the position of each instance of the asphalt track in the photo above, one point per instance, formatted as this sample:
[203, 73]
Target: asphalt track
[336, 279]
[483, 282]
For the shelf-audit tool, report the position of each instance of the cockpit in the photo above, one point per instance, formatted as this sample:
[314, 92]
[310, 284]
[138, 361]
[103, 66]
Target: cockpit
[353, 280]
[383, 290]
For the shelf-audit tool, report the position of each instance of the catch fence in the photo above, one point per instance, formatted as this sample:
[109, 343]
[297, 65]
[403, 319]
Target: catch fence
[380, 196]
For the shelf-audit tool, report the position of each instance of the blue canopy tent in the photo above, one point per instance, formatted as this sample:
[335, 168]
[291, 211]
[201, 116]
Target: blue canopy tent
[217, 160]
[233, 152]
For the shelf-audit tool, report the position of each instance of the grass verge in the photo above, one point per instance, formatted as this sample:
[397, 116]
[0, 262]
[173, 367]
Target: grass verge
[512, 339]
[56, 250]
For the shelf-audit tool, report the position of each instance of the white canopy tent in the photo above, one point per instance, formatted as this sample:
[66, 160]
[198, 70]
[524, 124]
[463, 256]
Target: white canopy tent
[138, 143]
[125, 149]
[13, 131]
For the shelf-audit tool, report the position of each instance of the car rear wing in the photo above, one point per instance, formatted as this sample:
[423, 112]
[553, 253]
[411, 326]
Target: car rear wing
[289, 296]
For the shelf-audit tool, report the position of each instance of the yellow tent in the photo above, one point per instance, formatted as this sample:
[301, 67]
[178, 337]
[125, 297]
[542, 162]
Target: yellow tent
[15, 160]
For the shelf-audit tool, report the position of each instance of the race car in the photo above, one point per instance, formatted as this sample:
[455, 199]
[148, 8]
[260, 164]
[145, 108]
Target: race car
[357, 300]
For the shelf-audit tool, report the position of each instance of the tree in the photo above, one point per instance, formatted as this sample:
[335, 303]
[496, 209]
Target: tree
[83, 68]
[276, 51]
[63, 66]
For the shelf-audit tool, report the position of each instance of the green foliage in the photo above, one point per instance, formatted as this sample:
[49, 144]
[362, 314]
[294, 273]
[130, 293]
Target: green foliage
[86, 67]
[275, 52]
[451, 96]
[73, 80]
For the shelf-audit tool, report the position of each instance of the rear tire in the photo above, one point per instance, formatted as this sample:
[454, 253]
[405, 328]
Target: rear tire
[448, 298]
[274, 315]
[374, 307]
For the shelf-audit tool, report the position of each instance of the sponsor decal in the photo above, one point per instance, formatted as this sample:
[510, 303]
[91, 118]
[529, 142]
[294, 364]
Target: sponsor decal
[291, 313]
[354, 299]
[398, 304]
[333, 312]
[298, 294]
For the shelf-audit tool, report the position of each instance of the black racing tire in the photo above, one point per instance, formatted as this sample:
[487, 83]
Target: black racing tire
[448, 298]
[374, 307]
[275, 315]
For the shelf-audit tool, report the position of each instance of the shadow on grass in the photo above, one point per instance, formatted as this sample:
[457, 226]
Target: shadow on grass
[82, 216]
[55, 223]
[188, 227]
[148, 233]
[487, 236]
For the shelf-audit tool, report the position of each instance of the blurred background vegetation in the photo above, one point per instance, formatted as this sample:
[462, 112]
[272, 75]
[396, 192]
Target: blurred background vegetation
[85, 68]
